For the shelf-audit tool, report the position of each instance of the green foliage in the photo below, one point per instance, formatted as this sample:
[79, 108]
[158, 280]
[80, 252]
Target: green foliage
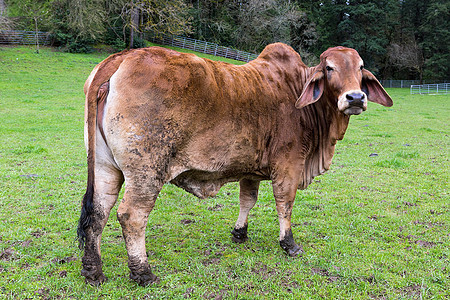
[406, 39]
[426, 23]
[75, 25]
[436, 40]
[365, 26]
[69, 43]
[26, 13]
[368, 231]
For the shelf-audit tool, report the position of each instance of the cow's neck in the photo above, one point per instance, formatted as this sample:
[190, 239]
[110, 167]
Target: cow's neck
[328, 125]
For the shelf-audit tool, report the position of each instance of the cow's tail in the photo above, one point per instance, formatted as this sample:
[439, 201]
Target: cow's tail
[104, 72]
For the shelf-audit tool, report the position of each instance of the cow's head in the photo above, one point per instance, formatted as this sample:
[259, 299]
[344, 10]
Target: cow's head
[341, 77]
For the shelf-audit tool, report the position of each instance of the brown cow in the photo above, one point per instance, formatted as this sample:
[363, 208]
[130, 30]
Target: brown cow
[155, 116]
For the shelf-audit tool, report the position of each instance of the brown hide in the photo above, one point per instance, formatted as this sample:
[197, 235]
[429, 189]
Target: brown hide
[197, 123]
[226, 122]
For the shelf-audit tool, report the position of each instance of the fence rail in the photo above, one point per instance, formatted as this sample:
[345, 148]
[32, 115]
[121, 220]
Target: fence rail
[24, 37]
[439, 88]
[200, 46]
[392, 83]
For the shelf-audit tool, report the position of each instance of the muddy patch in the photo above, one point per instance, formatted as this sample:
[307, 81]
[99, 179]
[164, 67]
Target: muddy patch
[38, 233]
[413, 291]
[428, 224]
[64, 260]
[375, 217]
[43, 293]
[425, 244]
[216, 296]
[187, 221]
[412, 239]
[216, 207]
[26, 243]
[62, 274]
[325, 273]
[213, 259]
[189, 293]
[7, 254]
[263, 270]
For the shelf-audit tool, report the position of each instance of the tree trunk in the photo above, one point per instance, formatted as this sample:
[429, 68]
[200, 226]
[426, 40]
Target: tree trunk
[130, 46]
[134, 24]
[37, 34]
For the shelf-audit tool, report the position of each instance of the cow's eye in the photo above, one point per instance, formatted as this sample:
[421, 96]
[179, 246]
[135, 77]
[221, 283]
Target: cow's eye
[362, 67]
[329, 68]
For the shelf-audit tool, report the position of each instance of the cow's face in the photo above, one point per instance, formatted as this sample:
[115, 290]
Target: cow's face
[342, 79]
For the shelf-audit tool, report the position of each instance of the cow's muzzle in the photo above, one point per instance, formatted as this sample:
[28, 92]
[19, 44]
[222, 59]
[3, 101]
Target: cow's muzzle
[352, 102]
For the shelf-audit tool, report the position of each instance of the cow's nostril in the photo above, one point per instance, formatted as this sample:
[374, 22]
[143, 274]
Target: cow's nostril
[356, 96]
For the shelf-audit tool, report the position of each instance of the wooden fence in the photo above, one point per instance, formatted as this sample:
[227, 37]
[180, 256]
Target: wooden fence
[200, 46]
[24, 37]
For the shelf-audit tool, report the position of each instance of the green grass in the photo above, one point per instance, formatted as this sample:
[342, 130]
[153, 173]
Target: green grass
[373, 227]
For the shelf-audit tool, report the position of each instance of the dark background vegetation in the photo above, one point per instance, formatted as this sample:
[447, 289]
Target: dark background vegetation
[398, 39]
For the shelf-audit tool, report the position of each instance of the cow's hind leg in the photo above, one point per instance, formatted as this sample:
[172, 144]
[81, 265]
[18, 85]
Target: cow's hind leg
[247, 198]
[138, 201]
[94, 216]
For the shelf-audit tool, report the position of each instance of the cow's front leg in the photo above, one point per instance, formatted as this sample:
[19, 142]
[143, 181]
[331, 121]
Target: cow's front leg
[133, 215]
[247, 198]
[284, 192]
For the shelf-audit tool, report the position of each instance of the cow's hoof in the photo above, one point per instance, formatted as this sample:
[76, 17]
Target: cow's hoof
[141, 272]
[144, 278]
[93, 275]
[239, 235]
[295, 251]
[290, 246]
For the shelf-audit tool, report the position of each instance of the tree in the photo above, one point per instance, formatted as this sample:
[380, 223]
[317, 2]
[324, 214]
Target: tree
[436, 40]
[156, 15]
[422, 41]
[84, 19]
[408, 56]
[35, 13]
[5, 21]
[266, 21]
[365, 25]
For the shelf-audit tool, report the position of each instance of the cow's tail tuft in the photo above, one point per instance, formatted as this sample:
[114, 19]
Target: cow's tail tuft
[104, 72]
[87, 209]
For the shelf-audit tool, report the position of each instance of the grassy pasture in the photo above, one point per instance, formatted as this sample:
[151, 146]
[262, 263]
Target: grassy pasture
[376, 226]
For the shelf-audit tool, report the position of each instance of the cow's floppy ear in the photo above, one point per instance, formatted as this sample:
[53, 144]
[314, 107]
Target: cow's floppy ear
[374, 90]
[312, 90]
